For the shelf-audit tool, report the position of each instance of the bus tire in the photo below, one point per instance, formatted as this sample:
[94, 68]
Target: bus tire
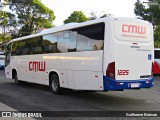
[54, 84]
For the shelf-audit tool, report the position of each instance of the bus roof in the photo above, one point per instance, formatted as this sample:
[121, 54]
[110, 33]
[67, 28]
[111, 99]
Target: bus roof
[75, 25]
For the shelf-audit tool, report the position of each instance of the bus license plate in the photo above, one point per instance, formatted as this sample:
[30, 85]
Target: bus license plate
[134, 85]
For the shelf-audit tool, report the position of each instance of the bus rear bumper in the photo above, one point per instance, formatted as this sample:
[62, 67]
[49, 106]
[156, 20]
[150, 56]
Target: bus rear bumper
[111, 84]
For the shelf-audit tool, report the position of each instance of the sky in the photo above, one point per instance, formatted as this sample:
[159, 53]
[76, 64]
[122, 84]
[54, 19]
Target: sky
[63, 8]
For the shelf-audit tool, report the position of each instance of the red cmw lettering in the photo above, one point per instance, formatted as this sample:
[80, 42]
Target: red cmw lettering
[37, 66]
[133, 29]
[123, 72]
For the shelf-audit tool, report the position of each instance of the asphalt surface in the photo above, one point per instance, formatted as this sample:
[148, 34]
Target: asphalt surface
[33, 97]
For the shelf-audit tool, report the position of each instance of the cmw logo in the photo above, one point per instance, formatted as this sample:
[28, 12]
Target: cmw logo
[37, 66]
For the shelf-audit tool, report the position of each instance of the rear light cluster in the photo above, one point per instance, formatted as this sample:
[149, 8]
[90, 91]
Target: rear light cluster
[110, 72]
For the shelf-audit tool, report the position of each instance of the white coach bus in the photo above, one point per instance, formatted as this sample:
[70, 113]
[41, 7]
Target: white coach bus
[102, 54]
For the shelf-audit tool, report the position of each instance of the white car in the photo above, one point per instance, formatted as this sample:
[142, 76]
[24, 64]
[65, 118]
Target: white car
[2, 61]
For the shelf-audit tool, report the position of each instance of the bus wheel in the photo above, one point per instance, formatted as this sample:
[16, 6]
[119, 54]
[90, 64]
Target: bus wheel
[54, 84]
[16, 79]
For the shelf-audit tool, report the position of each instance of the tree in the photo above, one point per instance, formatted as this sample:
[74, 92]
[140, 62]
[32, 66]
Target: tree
[76, 16]
[30, 16]
[4, 20]
[94, 15]
[151, 13]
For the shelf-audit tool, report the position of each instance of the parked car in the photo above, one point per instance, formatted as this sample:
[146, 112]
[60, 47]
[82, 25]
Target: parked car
[156, 65]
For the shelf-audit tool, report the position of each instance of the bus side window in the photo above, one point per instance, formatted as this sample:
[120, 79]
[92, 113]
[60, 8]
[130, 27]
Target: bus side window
[96, 44]
[17, 52]
[27, 51]
[33, 46]
[38, 50]
[33, 50]
[90, 37]
[50, 43]
[62, 43]
[15, 48]
[67, 41]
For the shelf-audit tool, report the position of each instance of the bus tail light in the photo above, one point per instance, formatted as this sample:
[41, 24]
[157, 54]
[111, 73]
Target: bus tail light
[110, 72]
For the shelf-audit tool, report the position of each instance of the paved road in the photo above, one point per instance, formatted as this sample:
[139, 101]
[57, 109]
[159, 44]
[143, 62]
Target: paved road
[32, 97]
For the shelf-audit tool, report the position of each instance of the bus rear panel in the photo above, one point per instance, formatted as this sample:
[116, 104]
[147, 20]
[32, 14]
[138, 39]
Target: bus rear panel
[132, 55]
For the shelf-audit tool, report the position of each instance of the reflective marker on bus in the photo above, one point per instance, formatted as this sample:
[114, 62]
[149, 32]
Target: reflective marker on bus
[101, 55]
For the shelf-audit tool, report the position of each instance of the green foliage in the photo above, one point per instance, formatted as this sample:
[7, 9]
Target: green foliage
[76, 16]
[30, 17]
[94, 15]
[4, 20]
[6, 1]
[5, 37]
[157, 36]
[150, 13]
